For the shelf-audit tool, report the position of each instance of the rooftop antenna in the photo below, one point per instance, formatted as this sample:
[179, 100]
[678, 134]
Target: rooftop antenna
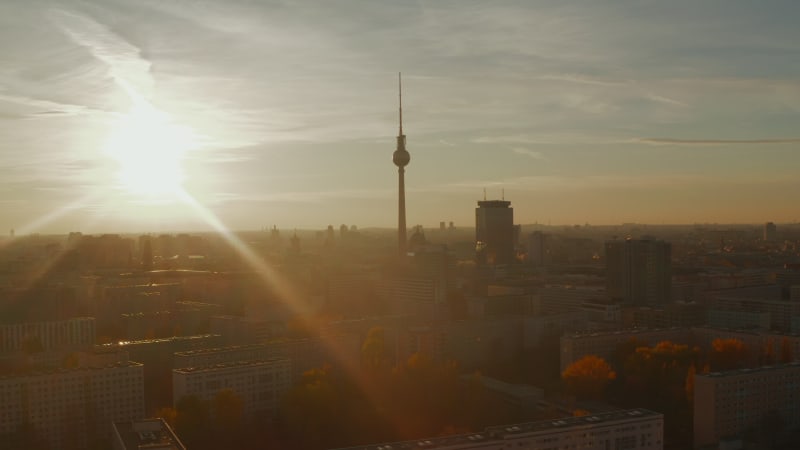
[484, 194]
[503, 194]
[400, 95]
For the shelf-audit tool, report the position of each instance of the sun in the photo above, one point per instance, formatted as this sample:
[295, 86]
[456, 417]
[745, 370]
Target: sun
[149, 150]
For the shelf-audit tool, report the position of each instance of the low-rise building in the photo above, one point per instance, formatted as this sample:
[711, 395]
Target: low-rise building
[147, 434]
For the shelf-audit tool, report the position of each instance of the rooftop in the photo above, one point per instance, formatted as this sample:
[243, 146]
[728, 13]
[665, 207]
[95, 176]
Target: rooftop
[229, 365]
[147, 434]
[159, 340]
[583, 334]
[61, 370]
[501, 433]
[762, 369]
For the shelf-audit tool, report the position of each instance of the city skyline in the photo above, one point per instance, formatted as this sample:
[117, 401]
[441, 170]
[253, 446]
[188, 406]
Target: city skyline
[128, 117]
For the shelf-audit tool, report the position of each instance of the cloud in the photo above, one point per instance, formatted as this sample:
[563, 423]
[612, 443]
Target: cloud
[527, 152]
[666, 100]
[701, 142]
[549, 138]
[124, 59]
[580, 79]
[44, 107]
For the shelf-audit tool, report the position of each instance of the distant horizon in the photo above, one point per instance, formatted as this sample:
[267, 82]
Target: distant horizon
[390, 230]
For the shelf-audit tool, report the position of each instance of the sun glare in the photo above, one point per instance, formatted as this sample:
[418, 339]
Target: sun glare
[149, 149]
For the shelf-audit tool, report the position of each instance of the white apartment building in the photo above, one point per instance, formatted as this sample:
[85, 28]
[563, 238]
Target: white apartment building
[342, 349]
[75, 332]
[727, 404]
[260, 384]
[635, 429]
[70, 408]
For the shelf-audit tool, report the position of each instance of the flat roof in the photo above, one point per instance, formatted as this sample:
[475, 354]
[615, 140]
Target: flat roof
[147, 433]
[501, 433]
[61, 370]
[762, 369]
[582, 334]
[158, 340]
[228, 365]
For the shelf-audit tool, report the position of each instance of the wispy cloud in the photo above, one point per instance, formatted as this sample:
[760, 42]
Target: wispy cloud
[665, 100]
[43, 107]
[580, 79]
[124, 59]
[549, 138]
[702, 142]
[527, 152]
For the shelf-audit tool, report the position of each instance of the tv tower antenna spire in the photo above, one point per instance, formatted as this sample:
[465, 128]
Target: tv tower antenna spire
[401, 158]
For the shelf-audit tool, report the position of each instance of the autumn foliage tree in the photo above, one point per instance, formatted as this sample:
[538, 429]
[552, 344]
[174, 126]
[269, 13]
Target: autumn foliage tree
[728, 354]
[787, 355]
[588, 377]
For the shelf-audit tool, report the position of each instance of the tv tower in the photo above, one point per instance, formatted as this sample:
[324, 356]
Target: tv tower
[401, 158]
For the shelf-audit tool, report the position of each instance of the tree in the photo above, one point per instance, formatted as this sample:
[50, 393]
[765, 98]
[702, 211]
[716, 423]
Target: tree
[728, 354]
[228, 409]
[32, 344]
[192, 421]
[787, 355]
[689, 384]
[169, 415]
[588, 377]
[373, 352]
[768, 354]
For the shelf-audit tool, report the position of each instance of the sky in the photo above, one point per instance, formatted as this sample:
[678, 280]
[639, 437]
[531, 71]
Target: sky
[148, 115]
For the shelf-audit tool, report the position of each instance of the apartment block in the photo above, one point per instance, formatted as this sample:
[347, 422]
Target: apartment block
[71, 333]
[635, 429]
[303, 354]
[260, 384]
[728, 404]
[71, 409]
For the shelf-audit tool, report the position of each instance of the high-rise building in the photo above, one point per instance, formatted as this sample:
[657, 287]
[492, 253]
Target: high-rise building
[401, 158]
[770, 230]
[639, 271]
[537, 252]
[494, 232]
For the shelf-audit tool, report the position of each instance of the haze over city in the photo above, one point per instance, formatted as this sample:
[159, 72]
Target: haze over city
[278, 113]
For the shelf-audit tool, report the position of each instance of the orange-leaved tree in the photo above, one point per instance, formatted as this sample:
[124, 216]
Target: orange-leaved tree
[588, 377]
